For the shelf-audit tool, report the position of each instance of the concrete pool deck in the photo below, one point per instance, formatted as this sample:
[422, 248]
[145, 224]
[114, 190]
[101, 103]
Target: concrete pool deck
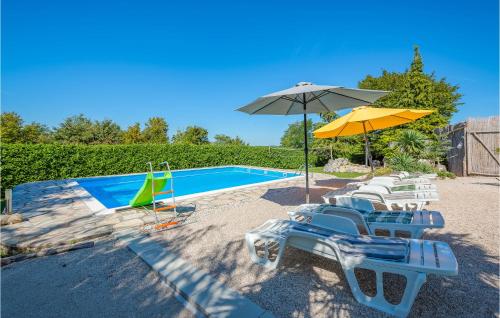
[58, 212]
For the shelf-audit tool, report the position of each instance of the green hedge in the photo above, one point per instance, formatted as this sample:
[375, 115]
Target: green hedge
[22, 163]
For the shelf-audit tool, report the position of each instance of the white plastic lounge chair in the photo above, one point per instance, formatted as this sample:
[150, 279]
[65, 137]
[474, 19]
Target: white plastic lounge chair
[406, 200]
[426, 195]
[372, 222]
[400, 179]
[402, 189]
[400, 186]
[405, 177]
[413, 259]
[379, 194]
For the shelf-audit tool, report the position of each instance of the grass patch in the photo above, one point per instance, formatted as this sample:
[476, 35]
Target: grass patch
[4, 252]
[345, 175]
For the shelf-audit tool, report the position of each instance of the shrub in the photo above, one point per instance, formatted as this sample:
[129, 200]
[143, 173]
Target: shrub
[27, 163]
[446, 174]
[383, 171]
[343, 147]
[423, 167]
[402, 162]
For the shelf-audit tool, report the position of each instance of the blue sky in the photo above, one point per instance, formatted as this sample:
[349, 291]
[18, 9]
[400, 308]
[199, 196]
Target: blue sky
[195, 62]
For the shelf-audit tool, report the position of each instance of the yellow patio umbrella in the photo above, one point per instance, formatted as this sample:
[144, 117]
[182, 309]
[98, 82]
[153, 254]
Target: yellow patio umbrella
[364, 119]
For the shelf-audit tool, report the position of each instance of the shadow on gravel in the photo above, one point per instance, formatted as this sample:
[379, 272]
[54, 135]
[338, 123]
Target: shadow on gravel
[308, 286]
[494, 184]
[294, 195]
[474, 292]
[97, 282]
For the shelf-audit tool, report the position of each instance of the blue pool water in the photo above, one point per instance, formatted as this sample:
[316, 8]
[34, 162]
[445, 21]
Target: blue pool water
[117, 191]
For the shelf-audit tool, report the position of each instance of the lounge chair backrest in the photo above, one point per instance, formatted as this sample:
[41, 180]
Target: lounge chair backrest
[382, 180]
[381, 184]
[337, 223]
[398, 177]
[359, 204]
[369, 195]
[346, 212]
[374, 188]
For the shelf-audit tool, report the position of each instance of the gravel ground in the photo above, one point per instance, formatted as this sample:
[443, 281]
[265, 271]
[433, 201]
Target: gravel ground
[311, 286]
[103, 281]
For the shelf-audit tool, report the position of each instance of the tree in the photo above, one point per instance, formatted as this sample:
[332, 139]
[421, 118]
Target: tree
[437, 149]
[11, 125]
[36, 133]
[413, 89]
[192, 135]
[156, 131]
[133, 134]
[226, 140]
[75, 130]
[13, 131]
[328, 117]
[293, 137]
[107, 132]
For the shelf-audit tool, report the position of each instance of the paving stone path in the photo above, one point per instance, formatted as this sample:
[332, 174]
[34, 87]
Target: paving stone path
[56, 212]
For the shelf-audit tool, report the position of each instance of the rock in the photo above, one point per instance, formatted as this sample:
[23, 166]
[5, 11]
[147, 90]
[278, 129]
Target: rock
[426, 161]
[15, 218]
[4, 219]
[10, 218]
[440, 167]
[343, 165]
[335, 165]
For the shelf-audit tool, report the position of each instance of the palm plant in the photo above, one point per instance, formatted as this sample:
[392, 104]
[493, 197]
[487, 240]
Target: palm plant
[411, 142]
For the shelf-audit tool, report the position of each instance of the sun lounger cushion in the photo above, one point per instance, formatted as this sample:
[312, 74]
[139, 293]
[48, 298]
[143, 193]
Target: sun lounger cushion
[392, 249]
[390, 217]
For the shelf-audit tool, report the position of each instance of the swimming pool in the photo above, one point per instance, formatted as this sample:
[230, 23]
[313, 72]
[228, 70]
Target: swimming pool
[117, 191]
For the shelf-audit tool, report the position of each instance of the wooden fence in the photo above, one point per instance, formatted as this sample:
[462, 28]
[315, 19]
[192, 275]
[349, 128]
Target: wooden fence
[475, 147]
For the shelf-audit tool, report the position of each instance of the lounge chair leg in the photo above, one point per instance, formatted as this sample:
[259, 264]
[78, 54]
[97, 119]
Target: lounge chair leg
[270, 250]
[418, 234]
[414, 281]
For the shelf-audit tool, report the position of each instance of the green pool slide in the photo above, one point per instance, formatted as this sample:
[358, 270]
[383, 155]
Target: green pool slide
[145, 194]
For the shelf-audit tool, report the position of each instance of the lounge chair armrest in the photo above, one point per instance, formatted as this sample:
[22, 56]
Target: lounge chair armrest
[432, 257]
[427, 219]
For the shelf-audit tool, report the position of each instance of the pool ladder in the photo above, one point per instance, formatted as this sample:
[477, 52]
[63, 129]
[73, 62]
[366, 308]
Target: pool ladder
[154, 193]
[302, 170]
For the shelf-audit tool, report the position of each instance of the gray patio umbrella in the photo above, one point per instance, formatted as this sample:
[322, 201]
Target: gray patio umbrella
[306, 98]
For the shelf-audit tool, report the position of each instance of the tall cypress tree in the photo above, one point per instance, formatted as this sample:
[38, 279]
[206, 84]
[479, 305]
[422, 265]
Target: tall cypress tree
[417, 86]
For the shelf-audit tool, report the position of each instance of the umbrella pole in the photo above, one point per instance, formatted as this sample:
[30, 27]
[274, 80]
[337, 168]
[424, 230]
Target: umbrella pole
[366, 145]
[306, 150]
[367, 150]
